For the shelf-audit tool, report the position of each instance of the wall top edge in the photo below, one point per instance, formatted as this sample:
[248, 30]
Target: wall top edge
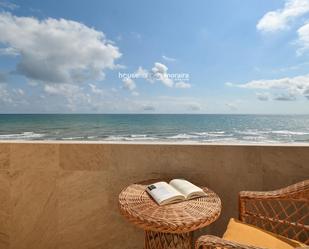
[153, 143]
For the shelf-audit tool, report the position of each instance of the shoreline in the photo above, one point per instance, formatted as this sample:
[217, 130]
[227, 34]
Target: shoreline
[152, 143]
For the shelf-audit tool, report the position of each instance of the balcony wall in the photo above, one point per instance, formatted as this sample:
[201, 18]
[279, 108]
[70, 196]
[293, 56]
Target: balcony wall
[65, 195]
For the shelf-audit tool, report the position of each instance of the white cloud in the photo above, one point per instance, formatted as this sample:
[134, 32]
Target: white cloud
[62, 89]
[114, 90]
[288, 96]
[74, 95]
[182, 84]
[134, 93]
[89, 98]
[159, 72]
[129, 84]
[141, 72]
[11, 98]
[19, 91]
[291, 86]
[298, 82]
[96, 90]
[280, 19]
[57, 50]
[285, 97]
[169, 59]
[4, 94]
[303, 39]
[263, 96]
[9, 51]
[306, 93]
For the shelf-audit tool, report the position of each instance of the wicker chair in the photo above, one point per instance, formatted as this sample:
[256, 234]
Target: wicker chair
[284, 212]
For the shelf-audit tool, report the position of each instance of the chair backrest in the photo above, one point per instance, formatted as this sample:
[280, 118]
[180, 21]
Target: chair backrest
[284, 211]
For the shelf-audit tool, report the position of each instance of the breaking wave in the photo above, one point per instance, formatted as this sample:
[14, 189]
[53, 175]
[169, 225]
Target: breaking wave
[24, 135]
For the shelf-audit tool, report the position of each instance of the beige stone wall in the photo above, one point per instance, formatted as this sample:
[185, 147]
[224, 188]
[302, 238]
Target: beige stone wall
[64, 195]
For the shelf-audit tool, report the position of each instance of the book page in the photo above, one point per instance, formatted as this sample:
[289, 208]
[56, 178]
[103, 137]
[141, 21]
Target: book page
[188, 189]
[163, 193]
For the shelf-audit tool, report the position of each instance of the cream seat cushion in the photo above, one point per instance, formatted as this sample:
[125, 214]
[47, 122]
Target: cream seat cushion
[250, 235]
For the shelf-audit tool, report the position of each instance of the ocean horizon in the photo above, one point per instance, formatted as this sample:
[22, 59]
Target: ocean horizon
[178, 128]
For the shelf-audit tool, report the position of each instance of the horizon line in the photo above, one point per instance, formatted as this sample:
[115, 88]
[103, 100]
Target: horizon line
[51, 113]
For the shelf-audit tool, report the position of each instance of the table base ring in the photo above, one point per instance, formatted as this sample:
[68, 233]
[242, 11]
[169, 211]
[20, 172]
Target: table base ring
[158, 240]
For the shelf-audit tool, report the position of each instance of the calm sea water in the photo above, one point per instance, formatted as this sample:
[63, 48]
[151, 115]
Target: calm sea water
[157, 128]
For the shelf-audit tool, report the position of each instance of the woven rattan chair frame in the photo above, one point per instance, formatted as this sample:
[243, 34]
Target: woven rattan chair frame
[284, 212]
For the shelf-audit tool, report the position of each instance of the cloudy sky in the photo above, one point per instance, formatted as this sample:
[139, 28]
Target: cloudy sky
[214, 56]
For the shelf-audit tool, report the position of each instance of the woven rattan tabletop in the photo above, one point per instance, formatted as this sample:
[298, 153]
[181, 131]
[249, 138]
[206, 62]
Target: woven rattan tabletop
[140, 209]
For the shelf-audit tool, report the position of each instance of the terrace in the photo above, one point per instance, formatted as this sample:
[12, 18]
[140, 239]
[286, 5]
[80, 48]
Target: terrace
[65, 194]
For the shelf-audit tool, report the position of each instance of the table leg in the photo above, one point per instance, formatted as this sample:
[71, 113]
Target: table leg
[157, 240]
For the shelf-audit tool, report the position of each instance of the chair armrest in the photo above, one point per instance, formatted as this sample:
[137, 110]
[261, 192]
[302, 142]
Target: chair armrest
[299, 191]
[258, 194]
[213, 242]
[280, 211]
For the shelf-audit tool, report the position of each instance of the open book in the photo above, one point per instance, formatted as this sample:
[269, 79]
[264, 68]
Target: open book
[175, 191]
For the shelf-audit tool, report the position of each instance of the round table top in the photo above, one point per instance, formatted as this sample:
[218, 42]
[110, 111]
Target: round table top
[140, 209]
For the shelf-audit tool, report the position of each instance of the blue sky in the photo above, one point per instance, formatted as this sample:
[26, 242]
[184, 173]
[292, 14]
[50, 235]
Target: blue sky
[237, 56]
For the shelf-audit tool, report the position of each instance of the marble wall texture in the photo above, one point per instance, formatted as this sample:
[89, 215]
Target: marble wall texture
[65, 195]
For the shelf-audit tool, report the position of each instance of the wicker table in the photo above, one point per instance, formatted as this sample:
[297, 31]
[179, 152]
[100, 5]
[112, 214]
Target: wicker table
[170, 226]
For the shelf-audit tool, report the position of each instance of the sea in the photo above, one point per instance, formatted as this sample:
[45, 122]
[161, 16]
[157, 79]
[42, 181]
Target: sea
[171, 128]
